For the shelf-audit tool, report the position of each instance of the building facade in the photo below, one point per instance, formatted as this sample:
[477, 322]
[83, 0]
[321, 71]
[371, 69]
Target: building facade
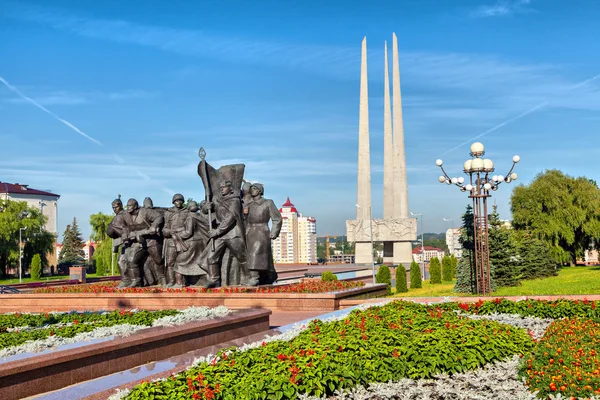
[430, 252]
[453, 241]
[297, 242]
[43, 200]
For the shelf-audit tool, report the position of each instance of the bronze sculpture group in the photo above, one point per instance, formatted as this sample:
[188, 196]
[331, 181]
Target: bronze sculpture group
[223, 241]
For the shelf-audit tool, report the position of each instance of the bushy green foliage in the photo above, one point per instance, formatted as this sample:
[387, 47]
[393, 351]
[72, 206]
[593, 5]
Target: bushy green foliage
[447, 269]
[36, 267]
[77, 323]
[535, 256]
[16, 215]
[561, 210]
[503, 253]
[465, 269]
[454, 264]
[72, 246]
[328, 276]
[102, 257]
[415, 276]
[435, 271]
[401, 285]
[391, 342]
[384, 276]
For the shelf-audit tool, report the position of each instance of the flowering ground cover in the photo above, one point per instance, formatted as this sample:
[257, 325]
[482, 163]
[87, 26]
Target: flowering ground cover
[379, 344]
[111, 287]
[489, 349]
[20, 333]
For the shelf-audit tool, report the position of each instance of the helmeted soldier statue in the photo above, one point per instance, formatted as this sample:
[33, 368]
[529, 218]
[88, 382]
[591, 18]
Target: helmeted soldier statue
[154, 269]
[174, 225]
[115, 230]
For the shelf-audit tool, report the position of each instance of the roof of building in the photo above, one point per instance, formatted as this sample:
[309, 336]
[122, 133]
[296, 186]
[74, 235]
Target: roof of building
[288, 203]
[19, 188]
[417, 250]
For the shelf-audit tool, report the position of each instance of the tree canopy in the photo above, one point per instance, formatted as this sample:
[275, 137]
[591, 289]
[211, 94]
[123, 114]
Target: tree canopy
[561, 210]
[15, 215]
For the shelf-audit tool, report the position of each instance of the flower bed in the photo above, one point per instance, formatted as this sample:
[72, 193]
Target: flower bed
[397, 340]
[20, 333]
[111, 287]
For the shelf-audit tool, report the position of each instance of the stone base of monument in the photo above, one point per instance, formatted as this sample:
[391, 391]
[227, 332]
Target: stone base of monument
[42, 302]
[34, 374]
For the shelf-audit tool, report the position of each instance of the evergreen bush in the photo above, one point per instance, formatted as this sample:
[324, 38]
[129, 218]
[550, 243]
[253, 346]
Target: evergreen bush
[384, 276]
[36, 267]
[435, 271]
[401, 286]
[447, 269]
[415, 276]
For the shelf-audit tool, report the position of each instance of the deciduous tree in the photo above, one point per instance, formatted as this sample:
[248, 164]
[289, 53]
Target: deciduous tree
[561, 210]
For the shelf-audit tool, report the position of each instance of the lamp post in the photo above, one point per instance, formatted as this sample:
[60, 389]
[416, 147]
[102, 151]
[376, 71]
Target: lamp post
[422, 246]
[451, 230]
[21, 254]
[372, 247]
[480, 184]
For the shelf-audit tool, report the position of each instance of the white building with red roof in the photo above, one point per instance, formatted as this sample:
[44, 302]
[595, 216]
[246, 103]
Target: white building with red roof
[297, 242]
[43, 200]
[429, 253]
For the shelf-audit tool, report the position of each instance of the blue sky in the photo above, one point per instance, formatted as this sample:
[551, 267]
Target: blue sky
[274, 84]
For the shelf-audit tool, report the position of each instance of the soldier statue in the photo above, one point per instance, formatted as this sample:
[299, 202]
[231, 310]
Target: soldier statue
[134, 244]
[257, 212]
[174, 226]
[114, 231]
[229, 233]
[154, 270]
[195, 237]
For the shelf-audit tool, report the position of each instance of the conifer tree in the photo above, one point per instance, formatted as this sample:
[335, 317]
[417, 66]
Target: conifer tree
[72, 246]
[465, 269]
[447, 268]
[36, 267]
[415, 276]
[401, 286]
[384, 276]
[502, 252]
[537, 260]
[435, 271]
[453, 265]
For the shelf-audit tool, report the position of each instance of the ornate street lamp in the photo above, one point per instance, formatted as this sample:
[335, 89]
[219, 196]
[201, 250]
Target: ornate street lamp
[480, 184]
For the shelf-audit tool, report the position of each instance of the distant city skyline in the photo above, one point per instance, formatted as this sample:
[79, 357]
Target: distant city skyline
[102, 98]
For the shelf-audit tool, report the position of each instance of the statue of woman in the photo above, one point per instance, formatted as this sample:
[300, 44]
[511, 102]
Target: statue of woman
[258, 211]
[195, 237]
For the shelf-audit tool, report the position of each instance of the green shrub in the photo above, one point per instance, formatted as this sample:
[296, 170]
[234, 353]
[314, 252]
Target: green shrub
[415, 276]
[384, 276]
[446, 269]
[36, 267]
[435, 271]
[401, 286]
[328, 276]
[454, 263]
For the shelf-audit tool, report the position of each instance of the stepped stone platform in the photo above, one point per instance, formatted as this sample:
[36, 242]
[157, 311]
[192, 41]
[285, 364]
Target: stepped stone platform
[43, 302]
[34, 374]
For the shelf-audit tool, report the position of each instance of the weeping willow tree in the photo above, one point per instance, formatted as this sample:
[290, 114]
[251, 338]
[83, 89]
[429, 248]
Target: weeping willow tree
[561, 210]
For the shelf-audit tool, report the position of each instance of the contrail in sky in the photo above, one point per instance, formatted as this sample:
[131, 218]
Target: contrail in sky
[41, 107]
[524, 114]
[118, 158]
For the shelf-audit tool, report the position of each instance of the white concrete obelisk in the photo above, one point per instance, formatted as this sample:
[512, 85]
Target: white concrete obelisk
[402, 250]
[388, 144]
[364, 250]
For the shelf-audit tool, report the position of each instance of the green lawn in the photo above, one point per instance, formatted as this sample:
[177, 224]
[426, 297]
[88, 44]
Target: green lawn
[570, 280]
[44, 279]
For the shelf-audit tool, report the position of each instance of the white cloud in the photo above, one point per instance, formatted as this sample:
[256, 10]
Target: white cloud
[502, 8]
